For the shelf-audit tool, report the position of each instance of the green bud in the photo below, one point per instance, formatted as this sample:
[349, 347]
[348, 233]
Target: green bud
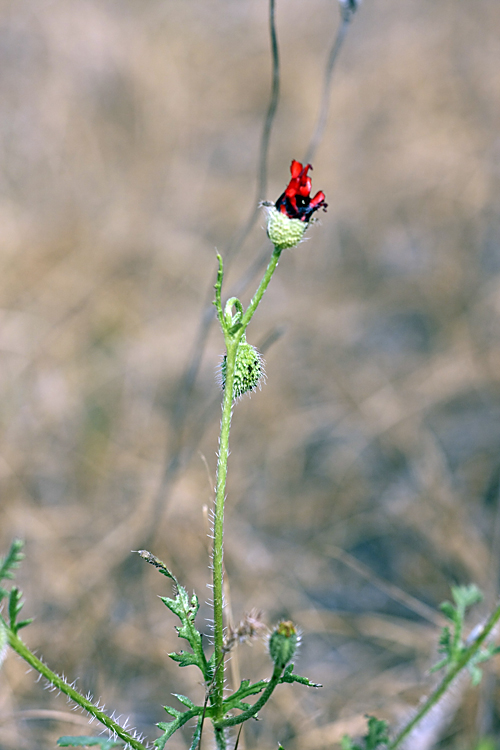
[248, 370]
[283, 643]
[283, 231]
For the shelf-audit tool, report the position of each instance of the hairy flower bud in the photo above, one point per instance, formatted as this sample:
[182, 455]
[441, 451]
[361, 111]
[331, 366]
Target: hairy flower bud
[283, 231]
[283, 643]
[248, 370]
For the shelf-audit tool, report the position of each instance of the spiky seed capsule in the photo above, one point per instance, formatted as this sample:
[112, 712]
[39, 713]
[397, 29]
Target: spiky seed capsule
[248, 370]
[283, 231]
[283, 643]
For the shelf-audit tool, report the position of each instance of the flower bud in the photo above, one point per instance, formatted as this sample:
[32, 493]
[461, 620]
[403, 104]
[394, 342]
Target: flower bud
[283, 231]
[283, 643]
[248, 370]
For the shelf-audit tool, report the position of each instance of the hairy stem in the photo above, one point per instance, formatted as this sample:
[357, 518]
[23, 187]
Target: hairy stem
[218, 550]
[233, 334]
[254, 303]
[441, 689]
[19, 647]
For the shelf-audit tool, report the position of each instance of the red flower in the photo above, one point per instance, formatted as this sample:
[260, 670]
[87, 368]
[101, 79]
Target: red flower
[296, 201]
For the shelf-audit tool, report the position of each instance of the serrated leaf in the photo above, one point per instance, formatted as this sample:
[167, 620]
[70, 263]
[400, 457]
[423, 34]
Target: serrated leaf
[181, 717]
[11, 561]
[476, 674]
[186, 610]
[172, 712]
[448, 610]
[244, 690]
[377, 733]
[159, 564]
[289, 676]
[83, 741]
[445, 637]
[185, 701]
[197, 734]
[15, 606]
[438, 666]
[23, 623]
[466, 596]
[184, 658]
[376, 737]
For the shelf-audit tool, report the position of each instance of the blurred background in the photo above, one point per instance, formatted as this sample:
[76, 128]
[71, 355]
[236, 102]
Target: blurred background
[364, 478]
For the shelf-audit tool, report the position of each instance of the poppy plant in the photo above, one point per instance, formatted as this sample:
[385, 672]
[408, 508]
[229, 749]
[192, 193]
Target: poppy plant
[296, 201]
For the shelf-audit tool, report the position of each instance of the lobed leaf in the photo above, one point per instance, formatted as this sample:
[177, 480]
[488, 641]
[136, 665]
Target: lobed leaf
[180, 718]
[376, 738]
[9, 563]
[289, 676]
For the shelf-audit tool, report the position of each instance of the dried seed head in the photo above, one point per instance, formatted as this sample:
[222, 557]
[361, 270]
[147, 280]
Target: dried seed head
[250, 628]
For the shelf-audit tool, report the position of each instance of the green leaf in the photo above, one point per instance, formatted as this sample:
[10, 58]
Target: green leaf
[476, 674]
[466, 596]
[197, 734]
[180, 718]
[289, 676]
[9, 563]
[448, 610]
[152, 560]
[15, 606]
[376, 738]
[244, 690]
[186, 610]
[438, 666]
[83, 741]
[377, 733]
[184, 658]
[185, 701]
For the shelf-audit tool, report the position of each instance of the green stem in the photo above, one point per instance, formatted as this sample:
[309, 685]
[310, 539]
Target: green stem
[233, 334]
[220, 493]
[232, 721]
[254, 302]
[220, 739]
[19, 647]
[441, 689]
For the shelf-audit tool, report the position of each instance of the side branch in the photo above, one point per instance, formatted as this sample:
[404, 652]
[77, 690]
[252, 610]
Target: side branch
[20, 648]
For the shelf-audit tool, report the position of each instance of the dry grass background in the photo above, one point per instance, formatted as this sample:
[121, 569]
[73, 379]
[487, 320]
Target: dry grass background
[129, 135]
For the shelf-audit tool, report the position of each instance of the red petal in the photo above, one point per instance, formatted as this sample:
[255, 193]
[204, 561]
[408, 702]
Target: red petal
[295, 169]
[318, 199]
[305, 186]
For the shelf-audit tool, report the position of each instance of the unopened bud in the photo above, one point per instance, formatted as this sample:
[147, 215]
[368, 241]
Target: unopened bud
[283, 643]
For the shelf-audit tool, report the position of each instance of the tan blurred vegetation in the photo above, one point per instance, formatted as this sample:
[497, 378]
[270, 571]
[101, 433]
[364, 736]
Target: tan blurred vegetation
[129, 136]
